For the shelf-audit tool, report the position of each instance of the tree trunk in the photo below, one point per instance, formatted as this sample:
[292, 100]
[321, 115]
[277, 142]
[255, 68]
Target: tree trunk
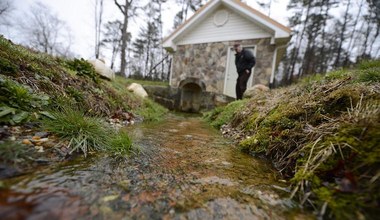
[349, 49]
[98, 25]
[344, 26]
[124, 34]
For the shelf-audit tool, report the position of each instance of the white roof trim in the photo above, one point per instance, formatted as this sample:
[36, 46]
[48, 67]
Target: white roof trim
[263, 21]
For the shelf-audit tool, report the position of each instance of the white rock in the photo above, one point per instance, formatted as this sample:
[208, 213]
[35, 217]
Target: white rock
[102, 69]
[138, 90]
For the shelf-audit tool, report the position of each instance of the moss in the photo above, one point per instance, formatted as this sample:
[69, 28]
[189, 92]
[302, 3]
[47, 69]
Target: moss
[342, 206]
[221, 115]
[258, 143]
[252, 122]
[321, 132]
[340, 100]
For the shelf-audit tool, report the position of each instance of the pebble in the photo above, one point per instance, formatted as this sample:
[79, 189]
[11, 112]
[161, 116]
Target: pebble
[27, 142]
[49, 144]
[36, 138]
[39, 149]
[42, 134]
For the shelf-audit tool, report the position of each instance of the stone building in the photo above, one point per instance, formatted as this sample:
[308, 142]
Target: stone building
[203, 55]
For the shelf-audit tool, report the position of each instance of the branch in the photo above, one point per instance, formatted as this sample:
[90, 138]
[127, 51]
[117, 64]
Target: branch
[119, 6]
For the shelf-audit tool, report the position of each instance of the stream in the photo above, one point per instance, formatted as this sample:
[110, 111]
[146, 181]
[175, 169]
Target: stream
[185, 170]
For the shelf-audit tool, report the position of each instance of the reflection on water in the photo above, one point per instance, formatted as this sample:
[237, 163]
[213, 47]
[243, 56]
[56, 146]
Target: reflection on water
[186, 171]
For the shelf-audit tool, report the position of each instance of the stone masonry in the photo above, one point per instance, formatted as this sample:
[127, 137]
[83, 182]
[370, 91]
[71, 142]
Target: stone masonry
[208, 62]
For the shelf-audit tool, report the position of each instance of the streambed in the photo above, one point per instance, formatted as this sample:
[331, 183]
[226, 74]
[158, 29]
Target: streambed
[186, 170]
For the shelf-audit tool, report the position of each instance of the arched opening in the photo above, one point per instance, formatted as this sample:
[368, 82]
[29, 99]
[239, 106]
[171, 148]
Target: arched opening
[191, 94]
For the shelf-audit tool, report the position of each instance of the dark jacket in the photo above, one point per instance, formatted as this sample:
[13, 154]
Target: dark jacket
[244, 61]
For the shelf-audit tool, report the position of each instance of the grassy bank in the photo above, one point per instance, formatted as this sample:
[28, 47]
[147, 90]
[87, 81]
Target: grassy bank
[322, 133]
[68, 100]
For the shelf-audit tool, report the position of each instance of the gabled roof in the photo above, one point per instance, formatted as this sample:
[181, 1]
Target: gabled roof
[278, 30]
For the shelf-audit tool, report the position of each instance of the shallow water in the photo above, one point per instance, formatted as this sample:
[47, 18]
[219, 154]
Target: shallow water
[186, 170]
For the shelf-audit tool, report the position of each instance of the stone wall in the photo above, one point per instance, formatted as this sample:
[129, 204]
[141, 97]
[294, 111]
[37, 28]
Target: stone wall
[208, 62]
[171, 98]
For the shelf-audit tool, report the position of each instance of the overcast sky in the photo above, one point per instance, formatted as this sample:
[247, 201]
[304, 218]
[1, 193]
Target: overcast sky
[79, 16]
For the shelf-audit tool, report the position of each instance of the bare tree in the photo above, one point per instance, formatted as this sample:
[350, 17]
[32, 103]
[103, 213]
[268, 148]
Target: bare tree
[44, 31]
[112, 37]
[5, 9]
[128, 10]
[98, 25]
[187, 6]
[267, 5]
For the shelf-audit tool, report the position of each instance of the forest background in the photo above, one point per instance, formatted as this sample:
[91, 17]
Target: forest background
[326, 34]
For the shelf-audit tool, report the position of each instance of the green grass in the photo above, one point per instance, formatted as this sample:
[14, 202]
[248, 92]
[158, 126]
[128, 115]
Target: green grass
[121, 144]
[151, 111]
[222, 115]
[87, 134]
[146, 82]
[146, 108]
[19, 102]
[82, 133]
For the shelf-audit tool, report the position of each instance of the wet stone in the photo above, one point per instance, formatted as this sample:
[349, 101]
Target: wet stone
[42, 134]
[8, 171]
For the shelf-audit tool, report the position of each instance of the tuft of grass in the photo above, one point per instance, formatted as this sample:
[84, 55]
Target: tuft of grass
[82, 133]
[87, 134]
[121, 144]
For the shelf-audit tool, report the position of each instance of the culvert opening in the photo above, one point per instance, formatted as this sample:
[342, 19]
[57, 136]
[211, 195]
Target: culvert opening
[190, 97]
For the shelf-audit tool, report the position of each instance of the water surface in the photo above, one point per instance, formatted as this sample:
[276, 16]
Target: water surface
[186, 170]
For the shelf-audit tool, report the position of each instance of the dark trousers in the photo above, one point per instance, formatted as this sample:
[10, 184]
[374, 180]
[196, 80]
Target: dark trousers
[241, 84]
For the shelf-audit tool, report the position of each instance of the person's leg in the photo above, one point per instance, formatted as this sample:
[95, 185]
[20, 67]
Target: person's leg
[243, 82]
[239, 94]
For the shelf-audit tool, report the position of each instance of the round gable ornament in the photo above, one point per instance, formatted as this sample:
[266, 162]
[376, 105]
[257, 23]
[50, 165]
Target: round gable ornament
[221, 18]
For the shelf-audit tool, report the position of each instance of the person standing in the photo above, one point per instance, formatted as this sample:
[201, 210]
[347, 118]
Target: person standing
[244, 61]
